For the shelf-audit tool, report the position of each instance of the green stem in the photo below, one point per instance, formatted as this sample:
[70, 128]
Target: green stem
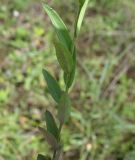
[54, 154]
[60, 127]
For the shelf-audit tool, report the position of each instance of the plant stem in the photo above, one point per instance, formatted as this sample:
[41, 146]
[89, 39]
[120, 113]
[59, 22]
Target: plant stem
[54, 154]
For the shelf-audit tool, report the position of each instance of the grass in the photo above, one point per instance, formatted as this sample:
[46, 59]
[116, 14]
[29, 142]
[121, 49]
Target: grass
[102, 121]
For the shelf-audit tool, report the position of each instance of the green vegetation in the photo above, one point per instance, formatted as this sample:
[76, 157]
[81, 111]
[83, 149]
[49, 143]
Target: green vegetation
[65, 49]
[102, 122]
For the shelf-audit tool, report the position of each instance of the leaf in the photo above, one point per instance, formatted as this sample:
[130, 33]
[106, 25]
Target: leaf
[42, 157]
[69, 78]
[64, 57]
[64, 108]
[60, 27]
[53, 86]
[51, 125]
[51, 140]
[82, 11]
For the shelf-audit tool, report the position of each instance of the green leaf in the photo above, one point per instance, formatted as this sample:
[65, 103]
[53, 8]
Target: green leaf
[42, 157]
[68, 78]
[51, 125]
[53, 86]
[64, 108]
[49, 137]
[64, 57]
[81, 14]
[60, 27]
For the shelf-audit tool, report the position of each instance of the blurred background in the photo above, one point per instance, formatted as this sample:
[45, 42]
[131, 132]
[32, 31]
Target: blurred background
[102, 123]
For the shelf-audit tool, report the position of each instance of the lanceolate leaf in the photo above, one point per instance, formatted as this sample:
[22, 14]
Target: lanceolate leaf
[49, 138]
[60, 27]
[83, 7]
[51, 125]
[64, 108]
[42, 157]
[53, 86]
[68, 78]
[64, 57]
